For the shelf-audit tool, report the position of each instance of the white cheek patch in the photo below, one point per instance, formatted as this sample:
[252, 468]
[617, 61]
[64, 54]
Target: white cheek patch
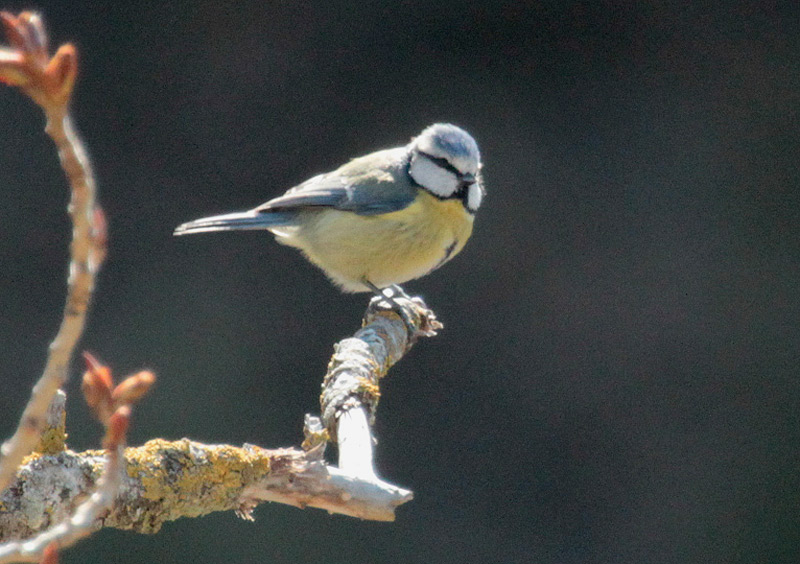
[434, 178]
[474, 197]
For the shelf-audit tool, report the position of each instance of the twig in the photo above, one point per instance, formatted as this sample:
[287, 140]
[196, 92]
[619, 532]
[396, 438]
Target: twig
[349, 399]
[49, 82]
[351, 388]
[112, 406]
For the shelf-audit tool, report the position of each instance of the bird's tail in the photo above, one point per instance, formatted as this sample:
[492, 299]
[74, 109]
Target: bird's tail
[236, 221]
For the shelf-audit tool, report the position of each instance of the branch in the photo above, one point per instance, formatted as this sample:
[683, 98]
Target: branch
[112, 406]
[349, 399]
[83, 517]
[351, 388]
[49, 82]
[166, 480]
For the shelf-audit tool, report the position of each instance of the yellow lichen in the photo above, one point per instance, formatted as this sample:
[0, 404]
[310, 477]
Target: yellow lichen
[315, 438]
[54, 439]
[176, 474]
[368, 389]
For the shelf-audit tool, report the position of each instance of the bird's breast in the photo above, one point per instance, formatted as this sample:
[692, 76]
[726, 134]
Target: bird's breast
[385, 249]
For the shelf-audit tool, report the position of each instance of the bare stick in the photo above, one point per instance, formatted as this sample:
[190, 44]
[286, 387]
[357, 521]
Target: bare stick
[354, 439]
[49, 82]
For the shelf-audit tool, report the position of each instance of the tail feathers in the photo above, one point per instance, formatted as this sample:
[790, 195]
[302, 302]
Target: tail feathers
[236, 221]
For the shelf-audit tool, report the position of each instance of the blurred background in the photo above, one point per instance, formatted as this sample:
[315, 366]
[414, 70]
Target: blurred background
[617, 380]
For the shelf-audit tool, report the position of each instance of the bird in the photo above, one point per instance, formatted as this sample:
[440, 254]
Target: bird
[379, 220]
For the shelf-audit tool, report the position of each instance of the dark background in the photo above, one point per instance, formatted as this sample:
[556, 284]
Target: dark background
[618, 376]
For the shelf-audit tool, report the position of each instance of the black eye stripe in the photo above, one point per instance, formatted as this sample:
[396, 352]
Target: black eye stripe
[442, 163]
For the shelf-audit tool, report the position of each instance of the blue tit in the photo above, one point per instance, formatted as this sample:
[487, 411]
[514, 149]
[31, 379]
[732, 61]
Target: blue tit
[381, 219]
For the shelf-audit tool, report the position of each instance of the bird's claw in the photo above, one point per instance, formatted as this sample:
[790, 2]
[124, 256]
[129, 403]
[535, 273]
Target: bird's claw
[413, 312]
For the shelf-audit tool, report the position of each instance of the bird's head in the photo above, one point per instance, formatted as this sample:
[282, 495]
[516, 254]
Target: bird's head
[445, 161]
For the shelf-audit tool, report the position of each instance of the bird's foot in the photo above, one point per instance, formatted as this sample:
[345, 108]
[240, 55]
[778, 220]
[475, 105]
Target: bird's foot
[418, 319]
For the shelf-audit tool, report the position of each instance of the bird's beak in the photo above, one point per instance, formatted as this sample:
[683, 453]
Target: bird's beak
[468, 178]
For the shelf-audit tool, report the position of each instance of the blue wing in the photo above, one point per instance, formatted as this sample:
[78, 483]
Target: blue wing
[371, 185]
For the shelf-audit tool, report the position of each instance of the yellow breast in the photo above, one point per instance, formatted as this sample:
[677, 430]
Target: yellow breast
[385, 249]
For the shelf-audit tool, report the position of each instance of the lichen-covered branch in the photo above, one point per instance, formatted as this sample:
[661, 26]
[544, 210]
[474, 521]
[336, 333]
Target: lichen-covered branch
[76, 524]
[167, 480]
[359, 362]
[351, 388]
[49, 82]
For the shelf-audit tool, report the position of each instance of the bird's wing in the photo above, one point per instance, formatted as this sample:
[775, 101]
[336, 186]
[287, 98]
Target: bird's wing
[365, 186]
